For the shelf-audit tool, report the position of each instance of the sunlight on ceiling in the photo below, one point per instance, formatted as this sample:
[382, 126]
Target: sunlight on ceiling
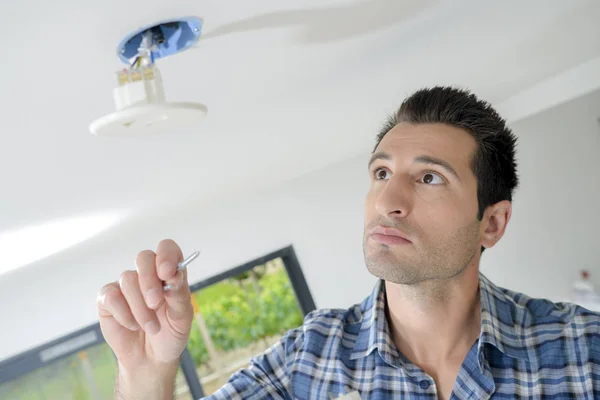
[33, 243]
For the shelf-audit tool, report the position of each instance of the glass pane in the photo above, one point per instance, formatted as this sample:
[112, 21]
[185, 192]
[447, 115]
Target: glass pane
[89, 374]
[182, 390]
[239, 318]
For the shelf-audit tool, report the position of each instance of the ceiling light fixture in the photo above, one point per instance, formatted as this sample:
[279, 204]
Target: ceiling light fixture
[139, 96]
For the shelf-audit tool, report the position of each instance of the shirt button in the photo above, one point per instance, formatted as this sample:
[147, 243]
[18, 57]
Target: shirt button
[424, 384]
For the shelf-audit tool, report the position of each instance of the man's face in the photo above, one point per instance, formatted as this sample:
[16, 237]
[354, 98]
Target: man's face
[422, 189]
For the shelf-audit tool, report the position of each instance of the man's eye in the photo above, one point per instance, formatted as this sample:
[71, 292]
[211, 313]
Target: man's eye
[431, 178]
[381, 173]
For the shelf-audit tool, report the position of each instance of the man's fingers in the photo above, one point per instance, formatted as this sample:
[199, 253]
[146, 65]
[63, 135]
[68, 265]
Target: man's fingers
[168, 255]
[112, 303]
[145, 317]
[150, 285]
[178, 301]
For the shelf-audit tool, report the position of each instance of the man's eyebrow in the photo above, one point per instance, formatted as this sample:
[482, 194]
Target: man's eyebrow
[423, 159]
[436, 161]
[379, 156]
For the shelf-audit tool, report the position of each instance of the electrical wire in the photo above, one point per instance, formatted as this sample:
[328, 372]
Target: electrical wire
[146, 47]
[133, 64]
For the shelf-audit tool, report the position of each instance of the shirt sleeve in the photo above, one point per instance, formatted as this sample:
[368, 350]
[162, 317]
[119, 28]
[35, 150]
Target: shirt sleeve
[267, 376]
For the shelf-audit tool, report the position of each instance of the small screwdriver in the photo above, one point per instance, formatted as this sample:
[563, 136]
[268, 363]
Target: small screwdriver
[181, 266]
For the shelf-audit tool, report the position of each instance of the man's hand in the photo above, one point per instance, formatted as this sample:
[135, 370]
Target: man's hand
[146, 327]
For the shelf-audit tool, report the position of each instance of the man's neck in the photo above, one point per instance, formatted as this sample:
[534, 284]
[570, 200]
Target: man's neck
[436, 321]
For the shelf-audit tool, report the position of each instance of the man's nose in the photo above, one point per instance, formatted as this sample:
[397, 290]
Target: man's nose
[395, 200]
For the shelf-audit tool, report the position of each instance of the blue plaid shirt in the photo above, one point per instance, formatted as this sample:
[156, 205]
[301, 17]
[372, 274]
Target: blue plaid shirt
[528, 348]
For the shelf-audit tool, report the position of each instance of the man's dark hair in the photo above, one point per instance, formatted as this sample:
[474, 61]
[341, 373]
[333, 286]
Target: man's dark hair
[493, 162]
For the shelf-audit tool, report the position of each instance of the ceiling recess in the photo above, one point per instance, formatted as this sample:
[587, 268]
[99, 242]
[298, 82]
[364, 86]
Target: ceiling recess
[141, 106]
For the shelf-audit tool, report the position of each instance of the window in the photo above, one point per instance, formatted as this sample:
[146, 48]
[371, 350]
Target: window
[240, 317]
[86, 374]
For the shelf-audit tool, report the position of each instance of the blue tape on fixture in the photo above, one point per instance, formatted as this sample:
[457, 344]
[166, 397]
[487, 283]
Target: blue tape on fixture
[179, 35]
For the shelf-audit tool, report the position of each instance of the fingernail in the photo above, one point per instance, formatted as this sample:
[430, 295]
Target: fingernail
[151, 327]
[164, 267]
[134, 326]
[153, 298]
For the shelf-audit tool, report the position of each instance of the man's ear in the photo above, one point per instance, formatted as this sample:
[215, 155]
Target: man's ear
[494, 222]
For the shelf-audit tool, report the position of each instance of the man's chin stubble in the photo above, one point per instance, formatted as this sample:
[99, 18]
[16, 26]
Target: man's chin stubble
[385, 265]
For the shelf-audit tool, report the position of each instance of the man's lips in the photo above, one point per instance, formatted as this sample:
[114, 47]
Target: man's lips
[387, 235]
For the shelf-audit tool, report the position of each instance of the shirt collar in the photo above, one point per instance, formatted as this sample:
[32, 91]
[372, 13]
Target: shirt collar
[500, 326]
[503, 320]
[374, 332]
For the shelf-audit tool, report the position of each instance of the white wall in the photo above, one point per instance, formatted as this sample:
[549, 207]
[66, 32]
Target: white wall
[556, 213]
[552, 234]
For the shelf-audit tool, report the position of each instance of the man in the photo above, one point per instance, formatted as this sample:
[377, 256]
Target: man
[442, 178]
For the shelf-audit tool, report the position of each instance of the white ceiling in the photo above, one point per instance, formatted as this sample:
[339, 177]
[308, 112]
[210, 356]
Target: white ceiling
[289, 87]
